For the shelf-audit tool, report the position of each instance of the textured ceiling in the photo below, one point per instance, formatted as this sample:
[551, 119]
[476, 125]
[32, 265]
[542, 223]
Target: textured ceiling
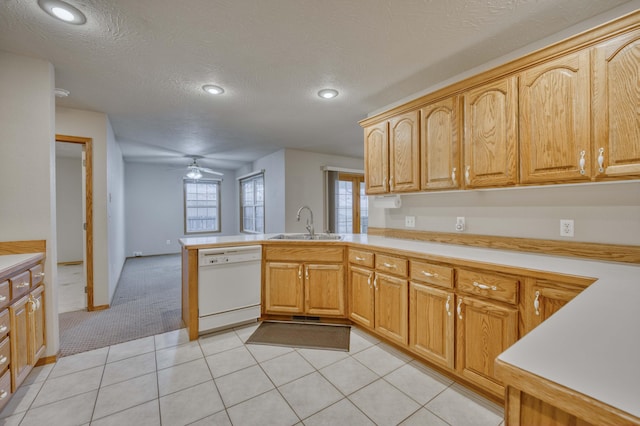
[143, 62]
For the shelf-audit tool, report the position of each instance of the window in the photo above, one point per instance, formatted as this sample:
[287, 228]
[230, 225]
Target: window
[348, 203]
[201, 206]
[252, 204]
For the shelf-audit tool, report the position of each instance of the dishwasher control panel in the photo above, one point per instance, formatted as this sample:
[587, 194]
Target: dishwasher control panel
[212, 257]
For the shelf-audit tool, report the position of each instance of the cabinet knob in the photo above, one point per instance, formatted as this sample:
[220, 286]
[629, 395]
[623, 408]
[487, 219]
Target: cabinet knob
[601, 160]
[3, 328]
[536, 303]
[3, 359]
[582, 162]
[3, 394]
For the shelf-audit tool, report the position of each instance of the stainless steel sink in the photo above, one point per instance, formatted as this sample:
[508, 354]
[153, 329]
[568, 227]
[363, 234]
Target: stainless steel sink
[316, 237]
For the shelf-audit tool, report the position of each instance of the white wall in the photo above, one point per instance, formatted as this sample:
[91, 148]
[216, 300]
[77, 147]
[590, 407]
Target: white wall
[115, 210]
[28, 207]
[95, 125]
[69, 208]
[305, 185]
[605, 213]
[274, 190]
[154, 208]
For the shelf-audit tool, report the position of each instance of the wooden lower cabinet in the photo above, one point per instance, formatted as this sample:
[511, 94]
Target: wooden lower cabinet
[299, 288]
[524, 409]
[432, 324]
[484, 331]
[324, 289]
[361, 294]
[36, 325]
[544, 298]
[20, 367]
[391, 307]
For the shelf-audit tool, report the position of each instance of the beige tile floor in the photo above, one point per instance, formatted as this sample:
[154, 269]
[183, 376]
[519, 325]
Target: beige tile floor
[218, 380]
[71, 283]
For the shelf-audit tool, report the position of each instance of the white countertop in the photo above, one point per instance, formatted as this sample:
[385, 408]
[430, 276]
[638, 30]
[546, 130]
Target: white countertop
[8, 261]
[592, 345]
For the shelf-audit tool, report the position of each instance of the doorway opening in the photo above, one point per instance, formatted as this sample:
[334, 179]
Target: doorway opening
[347, 203]
[74, 189]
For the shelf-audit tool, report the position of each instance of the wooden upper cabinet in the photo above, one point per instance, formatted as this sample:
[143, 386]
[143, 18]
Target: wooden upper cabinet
[616, 106]
[376, 159]
[440, 144]
[555, 120]
[404, 153]
[491, 134]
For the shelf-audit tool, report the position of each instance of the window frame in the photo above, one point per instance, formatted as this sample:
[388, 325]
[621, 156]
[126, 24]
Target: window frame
[241, 181]
[356, 180]
[217, 185]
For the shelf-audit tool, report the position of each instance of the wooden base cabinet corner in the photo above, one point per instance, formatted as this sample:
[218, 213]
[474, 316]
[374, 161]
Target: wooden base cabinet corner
[36, 325]
[20, 367]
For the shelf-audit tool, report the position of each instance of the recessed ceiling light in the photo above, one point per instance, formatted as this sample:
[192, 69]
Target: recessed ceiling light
[61, 93]
[328, 93]
[213, 89]
[63, 11]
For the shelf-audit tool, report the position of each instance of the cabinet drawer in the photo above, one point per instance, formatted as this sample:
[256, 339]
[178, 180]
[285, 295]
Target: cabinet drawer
[20, 284]
[5, 388]
[391, 264]
[433, 274]
[5, 294]
[305, 254]
[362, 258]
[37, 274]
[5, 354]
[5, 323]
[497, 287]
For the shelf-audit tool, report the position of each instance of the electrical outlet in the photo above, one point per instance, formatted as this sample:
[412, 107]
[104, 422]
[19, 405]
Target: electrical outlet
[410, 221]
[460, 224]
[566, 227]
[168, 242]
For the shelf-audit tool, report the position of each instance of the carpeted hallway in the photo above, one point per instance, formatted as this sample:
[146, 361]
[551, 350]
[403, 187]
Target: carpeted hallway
[147, 301]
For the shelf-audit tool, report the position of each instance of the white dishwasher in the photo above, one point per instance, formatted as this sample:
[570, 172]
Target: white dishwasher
[228, 286]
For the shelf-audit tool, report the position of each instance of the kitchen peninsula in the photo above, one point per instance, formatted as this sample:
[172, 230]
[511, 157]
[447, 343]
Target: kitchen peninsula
[578, 350]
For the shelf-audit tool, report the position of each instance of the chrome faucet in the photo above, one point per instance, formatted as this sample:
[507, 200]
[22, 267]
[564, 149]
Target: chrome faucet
[309, 220]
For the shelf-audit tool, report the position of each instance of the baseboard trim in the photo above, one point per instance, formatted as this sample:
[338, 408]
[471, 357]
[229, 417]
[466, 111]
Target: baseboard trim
[596, 251]
[73, 262]
[99, 308]
[48, 359]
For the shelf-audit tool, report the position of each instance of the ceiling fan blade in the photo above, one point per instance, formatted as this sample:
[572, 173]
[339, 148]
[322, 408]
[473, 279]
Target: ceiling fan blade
[213, 172]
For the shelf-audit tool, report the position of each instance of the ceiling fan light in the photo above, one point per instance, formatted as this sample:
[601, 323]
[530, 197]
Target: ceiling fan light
[194, 174]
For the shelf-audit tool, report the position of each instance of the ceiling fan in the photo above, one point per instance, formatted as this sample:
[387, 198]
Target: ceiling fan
[195, 171]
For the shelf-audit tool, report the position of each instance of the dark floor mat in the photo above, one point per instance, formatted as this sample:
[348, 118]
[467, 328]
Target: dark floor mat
[298, 335]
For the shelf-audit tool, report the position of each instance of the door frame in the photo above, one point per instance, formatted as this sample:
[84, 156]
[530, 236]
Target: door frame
[88, 194]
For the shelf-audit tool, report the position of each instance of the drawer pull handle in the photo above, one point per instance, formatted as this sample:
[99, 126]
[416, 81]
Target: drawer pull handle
[582, 162]
[467, 175]
[306, 272]
[484, 286]
[369, 281]
[447, 306]
[459, 308]
[23, 285]
[601, 160]
[3, 328]
[3, 394]
[388, 265]
[375, 283]
[429, 274]
[40, 274]
[453, 175]
[3, 359]
[3, 298]
[300, 272]
[536, 303]
[359, 259]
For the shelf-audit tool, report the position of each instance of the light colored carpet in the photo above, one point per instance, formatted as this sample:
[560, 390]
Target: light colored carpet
[147, 302]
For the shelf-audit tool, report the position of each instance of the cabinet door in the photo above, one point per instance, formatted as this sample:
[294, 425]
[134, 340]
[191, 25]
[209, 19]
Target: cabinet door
[392, 307]
[404, 153]
[283, 288]
[36, 325]
[484, 331]
[616, 106]
[324, 289]
[376, 159]
[19, 335]
[440, 145]
[431, 323]
[491, 134]
[361, 296]
[545, 298]
[555, 120]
